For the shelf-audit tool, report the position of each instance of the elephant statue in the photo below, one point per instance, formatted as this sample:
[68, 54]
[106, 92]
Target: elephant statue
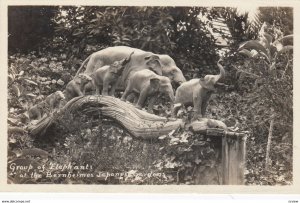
[160, 64]
[37, 111]
[76, 87]
[197, 92]
[148, 85]
[54, 100]
[109, 75]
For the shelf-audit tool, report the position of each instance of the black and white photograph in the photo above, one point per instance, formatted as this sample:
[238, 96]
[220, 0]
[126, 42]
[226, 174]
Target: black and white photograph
[150, 95]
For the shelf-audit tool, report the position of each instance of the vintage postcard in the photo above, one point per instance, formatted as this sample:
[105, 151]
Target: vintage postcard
[179, 97]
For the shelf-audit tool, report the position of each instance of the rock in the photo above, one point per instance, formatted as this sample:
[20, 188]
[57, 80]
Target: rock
[64, 56]
[60, 82]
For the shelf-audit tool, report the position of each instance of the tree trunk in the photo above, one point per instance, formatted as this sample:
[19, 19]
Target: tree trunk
[269, 143]
[139, 123]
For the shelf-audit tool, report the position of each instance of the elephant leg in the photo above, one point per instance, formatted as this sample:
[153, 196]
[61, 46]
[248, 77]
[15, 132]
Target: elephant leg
[132, 98]
[175, 108]
[39, 115]
[205, 103]
[126, 92]
[151, 104]
[77, 91]
[105, 88]
[113, 89]
[136, 98]
[197, 102]
[90, 87]
[52, 106]
[142, 98]
[97, 90]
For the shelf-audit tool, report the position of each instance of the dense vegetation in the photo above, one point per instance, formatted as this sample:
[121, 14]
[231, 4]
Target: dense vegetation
[45, 57]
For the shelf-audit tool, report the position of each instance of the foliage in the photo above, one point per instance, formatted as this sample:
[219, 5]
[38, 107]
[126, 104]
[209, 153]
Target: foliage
[279, 17]
[265, 81]
[238, 24]
[165, 30]
[29, 27]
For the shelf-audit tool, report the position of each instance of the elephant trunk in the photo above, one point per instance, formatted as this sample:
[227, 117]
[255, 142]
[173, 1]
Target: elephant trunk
[171, 95]
[222, 72]
[127, 60]
[172, 98]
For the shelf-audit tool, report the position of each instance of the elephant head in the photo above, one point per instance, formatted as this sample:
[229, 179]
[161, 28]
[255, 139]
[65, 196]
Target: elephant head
[152, 62]
[170, 70]
[168, 90]
[118, 66]
[59, 95]
[209, 81]
[82, 79]
[165, 87]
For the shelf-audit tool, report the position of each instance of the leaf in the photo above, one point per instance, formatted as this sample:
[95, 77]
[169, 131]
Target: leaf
[253, 44]
[31, 82]
[11, 77]
[278, 45]
[78, 32]
[34, 152]
[12, 140]
[21, 73]
[197, 160]
[15, 130]
[16, 90]
[245, 52]
[31, 95]
[266, 56]
[268, 37]
[12, 121]
[162, 137]
[13, 70]
[171, 133]
[286, 49]
[287, 40]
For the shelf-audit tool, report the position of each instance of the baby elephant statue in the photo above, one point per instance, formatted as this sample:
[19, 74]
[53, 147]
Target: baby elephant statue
[37, 111]
[197, 92]
[76, 86]
[109, 75]
[148, 84]
[54, 100]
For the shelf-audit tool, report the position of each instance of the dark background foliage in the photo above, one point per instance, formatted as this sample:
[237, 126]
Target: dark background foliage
[48, 44]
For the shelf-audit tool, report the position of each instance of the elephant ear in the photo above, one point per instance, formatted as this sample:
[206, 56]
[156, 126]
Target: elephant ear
[77, 79]
[82, 77]
[208, 82]
[154, 83]
[153, 63]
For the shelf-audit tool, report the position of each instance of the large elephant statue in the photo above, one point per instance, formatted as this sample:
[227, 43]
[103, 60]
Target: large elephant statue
[160, 64]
